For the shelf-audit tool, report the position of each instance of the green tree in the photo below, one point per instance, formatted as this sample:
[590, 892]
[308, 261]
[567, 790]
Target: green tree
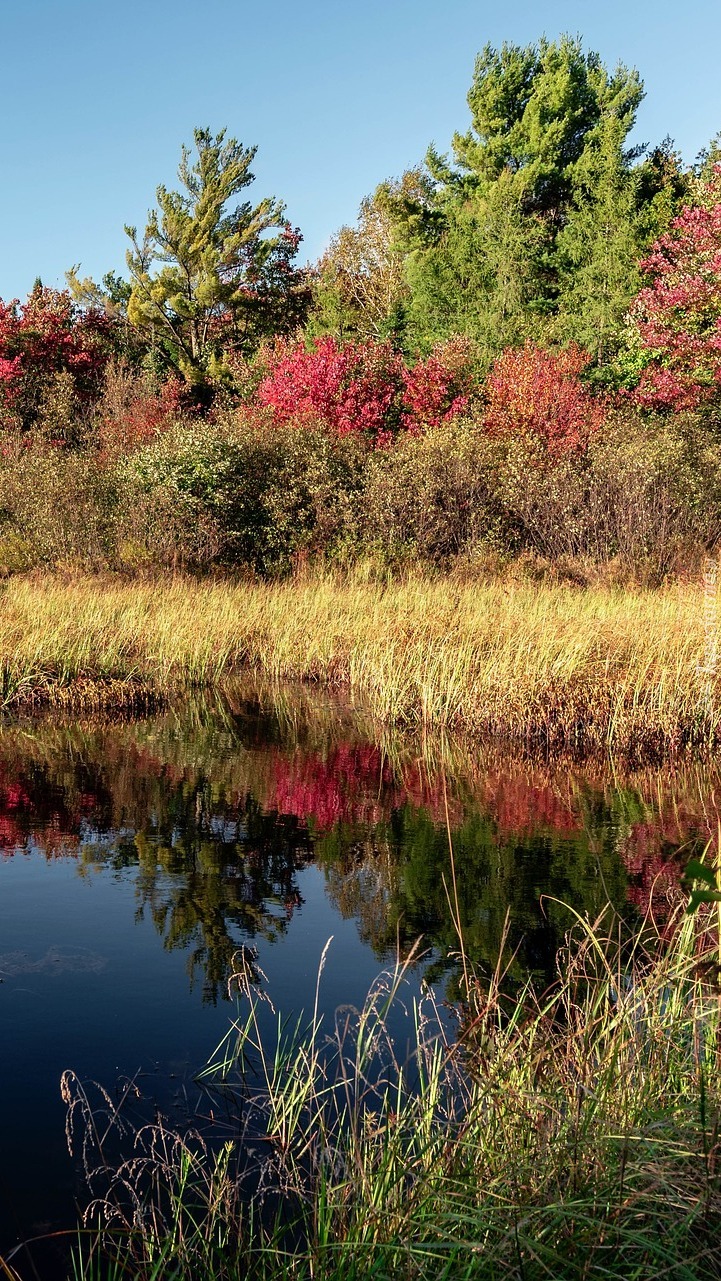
[664, 186]
[708, 158]
[360, 289]
[482, 247]
[210, 279]
[597, 251]
[481, 277]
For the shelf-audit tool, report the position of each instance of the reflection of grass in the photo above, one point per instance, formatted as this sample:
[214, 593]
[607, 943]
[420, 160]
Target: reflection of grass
[545, 664]
[570, 1136]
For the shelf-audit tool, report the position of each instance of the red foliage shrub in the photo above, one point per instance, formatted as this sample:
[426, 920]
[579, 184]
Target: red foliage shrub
[46, 336]
[521, 804]
[439, 387]
[537, 394]
[133, 409]
[350, 388]
[678, 314]
[366, 387]
[345, 787]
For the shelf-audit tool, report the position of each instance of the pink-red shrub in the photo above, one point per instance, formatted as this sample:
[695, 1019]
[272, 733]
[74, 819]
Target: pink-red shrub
[366, 387]
[537, 395]
[438, 388]
[46, 336]
[678, 314]
[349, 388]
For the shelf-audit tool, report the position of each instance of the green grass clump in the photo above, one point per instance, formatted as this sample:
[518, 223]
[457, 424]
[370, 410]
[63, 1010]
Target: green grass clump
[570, 1135]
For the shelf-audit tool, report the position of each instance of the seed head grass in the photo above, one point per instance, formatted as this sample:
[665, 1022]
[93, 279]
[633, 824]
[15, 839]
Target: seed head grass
[569, 1134]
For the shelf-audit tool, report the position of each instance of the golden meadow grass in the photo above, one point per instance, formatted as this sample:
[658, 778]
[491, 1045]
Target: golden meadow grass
[592, 667]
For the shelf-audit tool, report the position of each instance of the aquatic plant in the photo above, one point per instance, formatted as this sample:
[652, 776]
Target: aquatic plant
[568, 1134]
[541, 664]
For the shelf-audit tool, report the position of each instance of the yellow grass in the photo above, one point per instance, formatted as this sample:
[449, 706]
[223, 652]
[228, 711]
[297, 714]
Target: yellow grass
[593, 666]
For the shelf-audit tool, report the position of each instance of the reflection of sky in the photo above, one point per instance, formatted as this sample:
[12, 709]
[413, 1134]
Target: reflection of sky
[130, 1009]
[226, 830]
[95, 837]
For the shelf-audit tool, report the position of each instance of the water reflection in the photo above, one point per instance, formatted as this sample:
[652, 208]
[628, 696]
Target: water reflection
[219, 807]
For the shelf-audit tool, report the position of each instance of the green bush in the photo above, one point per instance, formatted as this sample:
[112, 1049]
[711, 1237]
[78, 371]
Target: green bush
[268, 493]
[643, 501]
[435, 496]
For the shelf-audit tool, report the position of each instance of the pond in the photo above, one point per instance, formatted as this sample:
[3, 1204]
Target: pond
[137, 859]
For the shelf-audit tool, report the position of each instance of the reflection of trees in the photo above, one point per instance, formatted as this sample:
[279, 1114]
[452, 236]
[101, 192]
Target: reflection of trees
[215, 869]
[220, 809]
[398, 885]
[220, 880]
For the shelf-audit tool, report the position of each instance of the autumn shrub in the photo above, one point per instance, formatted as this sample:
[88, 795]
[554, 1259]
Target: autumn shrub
[535, 396]
[133, 408]
[441, 386]
[645, 494]
[57, 507]
[46, 339]
[677, 315]
[654, 496]
[434, 496]
[365, 388]
[269, 493]
[350, 387]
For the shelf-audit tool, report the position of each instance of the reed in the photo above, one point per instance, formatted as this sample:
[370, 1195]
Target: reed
[569, 1135]
[621, 669]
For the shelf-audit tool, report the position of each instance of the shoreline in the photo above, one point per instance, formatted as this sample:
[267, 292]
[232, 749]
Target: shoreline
[555, 668]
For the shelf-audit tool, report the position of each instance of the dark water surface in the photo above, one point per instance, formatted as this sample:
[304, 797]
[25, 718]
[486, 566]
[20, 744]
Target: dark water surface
[137, 858]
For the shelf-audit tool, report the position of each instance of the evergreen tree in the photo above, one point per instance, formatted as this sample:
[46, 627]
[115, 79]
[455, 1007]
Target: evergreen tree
[533, 110]
[209, 280]
[597, 251]
[483, 254]
[481, 278]
[664, 186]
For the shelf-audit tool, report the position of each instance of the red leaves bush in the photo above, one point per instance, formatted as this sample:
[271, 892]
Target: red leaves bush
[352, 388]
[44, 337]
[678, 315]
[134, 409]
[537, 395]
[440, 387]
[366, 387]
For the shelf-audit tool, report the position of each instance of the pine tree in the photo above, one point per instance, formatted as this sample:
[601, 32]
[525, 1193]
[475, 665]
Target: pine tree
[482, 258]
[481, 277]
[207, 279]
[597, 251]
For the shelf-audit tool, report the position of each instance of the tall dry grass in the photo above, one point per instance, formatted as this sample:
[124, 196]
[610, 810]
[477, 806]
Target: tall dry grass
[552, 664]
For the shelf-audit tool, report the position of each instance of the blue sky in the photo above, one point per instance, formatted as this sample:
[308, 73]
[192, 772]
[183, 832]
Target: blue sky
[97, 97]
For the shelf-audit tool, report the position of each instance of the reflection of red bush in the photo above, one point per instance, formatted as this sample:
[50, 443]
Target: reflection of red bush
[652, 860]
[350, 785]
[517, 803]
[54, 831]
[354, 783]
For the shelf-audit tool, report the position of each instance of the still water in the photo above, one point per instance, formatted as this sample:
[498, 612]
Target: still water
[136, 859]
